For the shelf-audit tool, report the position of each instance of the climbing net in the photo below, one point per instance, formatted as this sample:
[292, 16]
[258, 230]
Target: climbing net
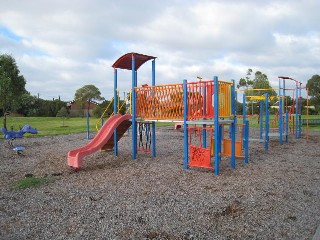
[144, 132]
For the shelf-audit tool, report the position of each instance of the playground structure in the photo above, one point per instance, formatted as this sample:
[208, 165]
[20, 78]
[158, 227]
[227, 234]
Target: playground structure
[286, 121]
[194, 104]
[207, 109]
[294, 110]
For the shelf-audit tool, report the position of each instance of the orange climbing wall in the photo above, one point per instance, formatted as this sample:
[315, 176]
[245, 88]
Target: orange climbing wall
[160, 102]
[165, 102]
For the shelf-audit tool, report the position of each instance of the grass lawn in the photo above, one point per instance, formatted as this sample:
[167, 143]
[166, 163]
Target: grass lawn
[51, 125]
[54, 125]
[253, 121]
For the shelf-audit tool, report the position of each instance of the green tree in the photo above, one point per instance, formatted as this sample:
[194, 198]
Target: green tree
[48, 108]
[86, 94]
[12, 85]
[101, 108]
[239, 108]
[256, 86]
[246, 82]
[63, 113]
[261, 81]
[313, 86]
[27, 105]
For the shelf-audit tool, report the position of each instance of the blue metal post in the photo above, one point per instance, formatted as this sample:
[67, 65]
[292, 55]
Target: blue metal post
[236, 102]
[300, 112]
[284, 88]
[153, 72]
[280, 123]
[115, 111]
[233, 99]
[185, 127]
[261, 120]
[204, 135]
[287, 125]
[233, 128]
[136, 78]
[297, 112]
[221, 137]
[88, 127]
[266, 140]
[154, 152]
[115, 94]
[244, 108]
[217, 140]
[134, 117]
[246, 138]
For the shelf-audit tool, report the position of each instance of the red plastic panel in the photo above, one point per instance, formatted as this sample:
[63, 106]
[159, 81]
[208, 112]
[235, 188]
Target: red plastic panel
[200, 157]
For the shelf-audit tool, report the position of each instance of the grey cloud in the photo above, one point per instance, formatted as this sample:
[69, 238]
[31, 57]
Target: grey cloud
[73, 43]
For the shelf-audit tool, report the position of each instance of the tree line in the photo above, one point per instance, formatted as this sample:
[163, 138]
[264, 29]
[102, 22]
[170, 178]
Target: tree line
[15, 98]
[252, 82]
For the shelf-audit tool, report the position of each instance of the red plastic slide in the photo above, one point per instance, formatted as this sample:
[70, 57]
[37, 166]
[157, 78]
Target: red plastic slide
[103, 140]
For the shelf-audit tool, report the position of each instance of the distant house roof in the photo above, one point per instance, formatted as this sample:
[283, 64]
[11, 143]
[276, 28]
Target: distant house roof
[125, 61]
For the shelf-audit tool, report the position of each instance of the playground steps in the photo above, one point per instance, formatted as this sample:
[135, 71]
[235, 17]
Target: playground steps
[121, 129]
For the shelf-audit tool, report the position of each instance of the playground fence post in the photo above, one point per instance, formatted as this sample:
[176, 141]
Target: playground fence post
[261, 120]
[300, 111]
[217, 139]
[115, 111]
[287, 125]
[154, 152]
[185, 127]
[244, 108]
[246, 137]
[134, 117]
[297, 112]
[233, 127]
[280, 122]
[266, 140]
[88, 127]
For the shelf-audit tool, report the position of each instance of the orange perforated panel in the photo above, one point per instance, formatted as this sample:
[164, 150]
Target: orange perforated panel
[160, 102]
[165, 102]
[200, 157]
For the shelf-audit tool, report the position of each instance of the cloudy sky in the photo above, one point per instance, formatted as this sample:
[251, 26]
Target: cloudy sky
[62, 45]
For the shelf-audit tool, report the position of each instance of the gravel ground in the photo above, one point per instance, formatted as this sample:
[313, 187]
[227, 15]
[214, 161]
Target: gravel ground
[275, 196]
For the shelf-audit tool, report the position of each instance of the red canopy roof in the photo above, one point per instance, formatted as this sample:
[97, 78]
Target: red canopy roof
[125, 62]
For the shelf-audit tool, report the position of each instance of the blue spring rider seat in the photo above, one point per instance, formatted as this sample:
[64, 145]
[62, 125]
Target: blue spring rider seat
[17, 134]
